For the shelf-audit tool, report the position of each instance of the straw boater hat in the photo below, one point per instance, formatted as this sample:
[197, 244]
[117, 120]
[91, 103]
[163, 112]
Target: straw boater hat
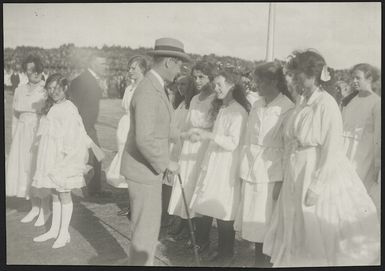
[169, 47]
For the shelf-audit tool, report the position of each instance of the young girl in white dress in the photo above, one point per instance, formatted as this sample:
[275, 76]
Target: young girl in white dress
[362, 129]
[137, 68]
[324, 216]
[186, 90]
[261, 162]
[217, 192]
[20, 166]
[62, 157]
[192, 150]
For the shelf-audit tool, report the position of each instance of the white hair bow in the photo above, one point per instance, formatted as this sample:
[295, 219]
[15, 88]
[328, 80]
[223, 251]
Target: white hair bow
[325, 75]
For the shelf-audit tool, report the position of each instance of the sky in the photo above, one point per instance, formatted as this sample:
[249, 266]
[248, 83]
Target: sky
[344, 33]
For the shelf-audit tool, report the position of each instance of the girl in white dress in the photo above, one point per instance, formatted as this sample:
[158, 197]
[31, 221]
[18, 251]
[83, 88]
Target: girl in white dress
[217, 193]
[362, 128]
[261, 163]
[137, 68]
[27, 103]
[192, 150]
[186, 90]
[62, 157]
[324, 216]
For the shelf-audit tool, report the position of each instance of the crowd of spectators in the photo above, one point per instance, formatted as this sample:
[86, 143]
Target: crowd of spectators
[70, 60]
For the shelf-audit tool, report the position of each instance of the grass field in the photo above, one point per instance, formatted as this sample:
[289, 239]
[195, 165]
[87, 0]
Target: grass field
[98, 235]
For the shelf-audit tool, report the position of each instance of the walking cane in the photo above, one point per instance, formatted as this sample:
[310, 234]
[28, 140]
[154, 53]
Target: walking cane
[196, 255]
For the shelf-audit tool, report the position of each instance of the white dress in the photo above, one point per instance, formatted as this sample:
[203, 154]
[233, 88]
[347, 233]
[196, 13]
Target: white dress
[218, 189]
[113, 175]
[342, 228]
[180, 115]
[63, 149]
[20, 165]
[191, 155]
[362, 137]
[261, 166]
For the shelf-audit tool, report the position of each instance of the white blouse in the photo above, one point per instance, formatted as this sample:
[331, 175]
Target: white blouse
[262, 155]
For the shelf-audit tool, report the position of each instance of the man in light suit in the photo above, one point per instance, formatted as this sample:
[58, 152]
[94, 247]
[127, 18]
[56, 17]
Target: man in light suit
[146, 155]
[85, 92]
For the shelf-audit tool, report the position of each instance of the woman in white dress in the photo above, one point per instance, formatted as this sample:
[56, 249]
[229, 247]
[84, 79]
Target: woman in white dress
[324, 216]
[261, 163]
[362, 128]
[186, 90]
[192, 150]
[27, 103]
[217, 192]
[62, 157]
[137, 68]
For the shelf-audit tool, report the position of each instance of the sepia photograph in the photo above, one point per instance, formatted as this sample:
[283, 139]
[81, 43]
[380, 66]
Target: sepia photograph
[218, 134]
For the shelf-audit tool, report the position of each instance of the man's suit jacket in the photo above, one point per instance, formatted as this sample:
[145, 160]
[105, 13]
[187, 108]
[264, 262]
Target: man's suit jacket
[86, 93]
[146, 153]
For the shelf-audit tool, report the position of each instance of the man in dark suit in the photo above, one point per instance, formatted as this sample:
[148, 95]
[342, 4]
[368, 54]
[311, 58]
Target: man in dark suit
[146, 155]
[85, 92]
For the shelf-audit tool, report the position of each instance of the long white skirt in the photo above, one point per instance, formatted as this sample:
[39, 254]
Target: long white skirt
[190, 161]
[113, 175]
[342, 228]
[255, 210]
[21, 162]
[375, 194]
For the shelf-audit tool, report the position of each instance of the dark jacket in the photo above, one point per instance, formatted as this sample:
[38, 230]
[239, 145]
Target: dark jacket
[86, 93]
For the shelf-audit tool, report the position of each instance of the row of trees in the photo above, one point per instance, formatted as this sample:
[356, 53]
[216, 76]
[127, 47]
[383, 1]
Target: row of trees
[69, 58]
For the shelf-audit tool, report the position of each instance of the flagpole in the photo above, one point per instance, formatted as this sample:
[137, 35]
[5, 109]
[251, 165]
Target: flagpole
[270, 33]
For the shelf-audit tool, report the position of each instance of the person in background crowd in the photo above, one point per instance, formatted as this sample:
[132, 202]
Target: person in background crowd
[62, 157]
[324, 216]
[261, 160]
[20, 166]
[185, 89]
[15, 78]
[192, 150]
[217, 192]
[7, 77]
[85, 92]
[45, 74]
[146, 154]
[362, 127]
[252, 96]
[23, 76]
[346, 92]
[137, 68]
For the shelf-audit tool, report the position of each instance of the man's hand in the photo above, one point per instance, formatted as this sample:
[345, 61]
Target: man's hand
[201, 134]
[310, 198]
[173, 167]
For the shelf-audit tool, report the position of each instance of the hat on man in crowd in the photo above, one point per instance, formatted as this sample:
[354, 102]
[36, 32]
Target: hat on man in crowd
[169, 47]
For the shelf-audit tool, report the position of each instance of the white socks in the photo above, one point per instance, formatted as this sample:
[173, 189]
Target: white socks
[55, 226]
[44, 212]
[64, 236]
[33, 213]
